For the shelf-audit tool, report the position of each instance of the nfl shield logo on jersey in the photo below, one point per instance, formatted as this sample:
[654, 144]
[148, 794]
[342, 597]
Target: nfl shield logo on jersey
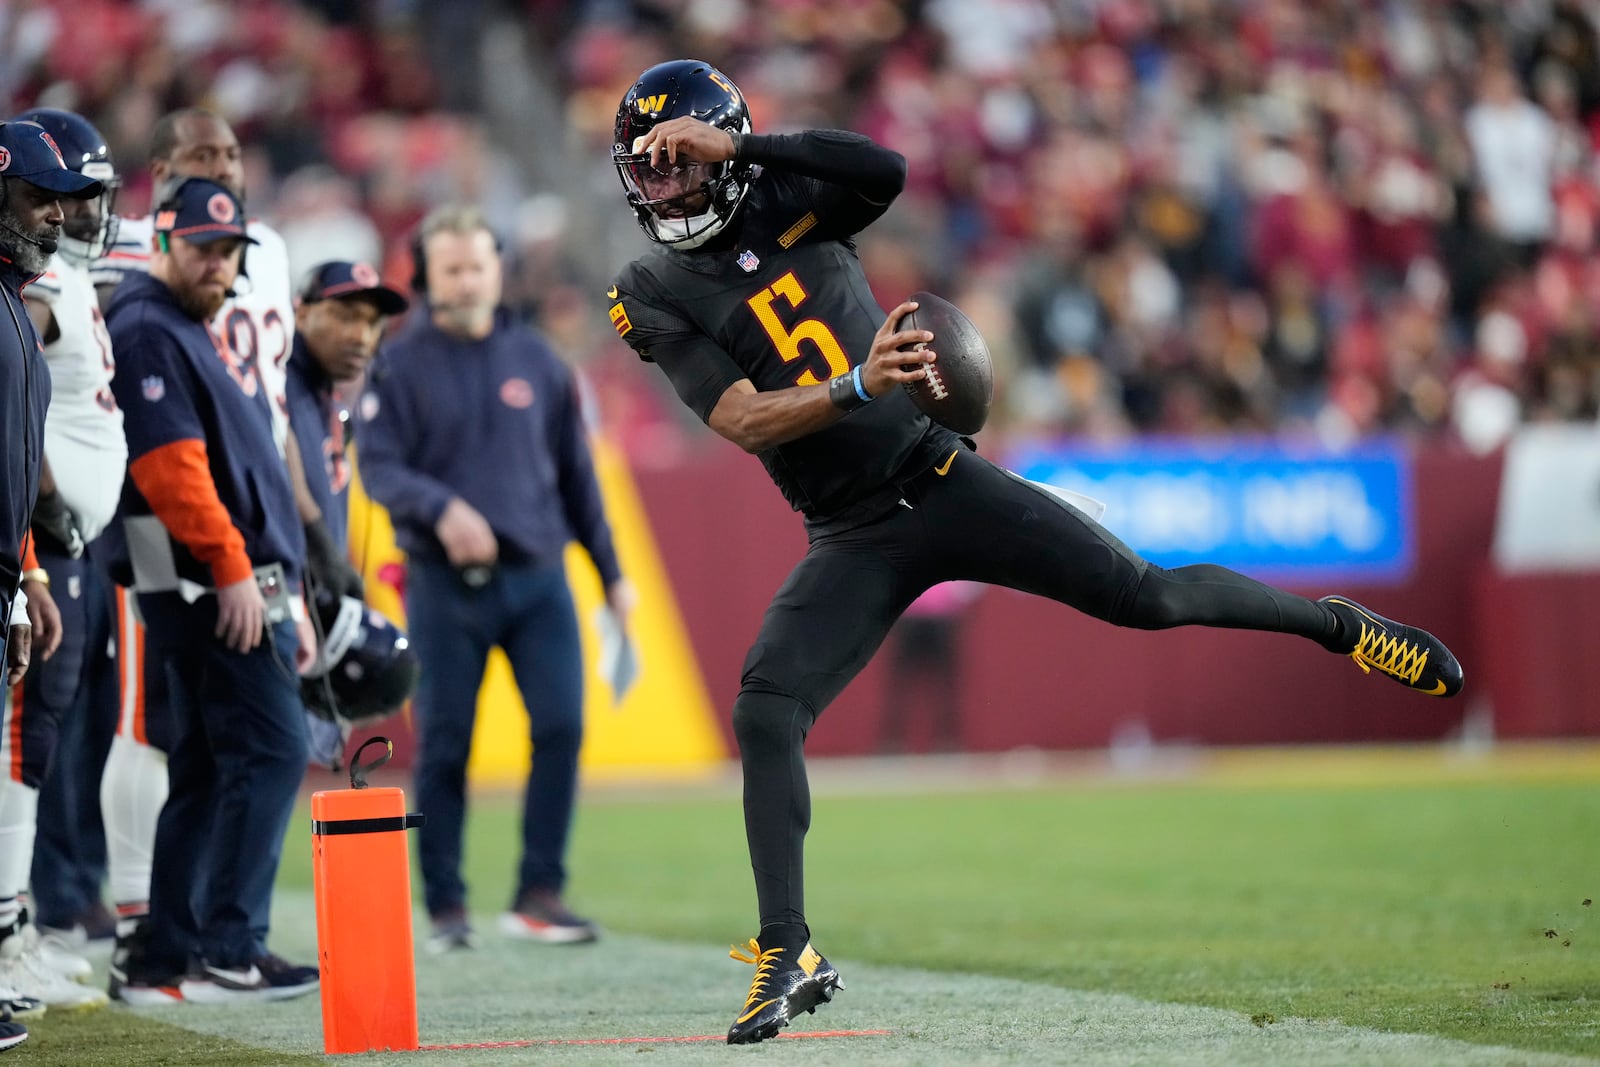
[153, 387]
[748, 260]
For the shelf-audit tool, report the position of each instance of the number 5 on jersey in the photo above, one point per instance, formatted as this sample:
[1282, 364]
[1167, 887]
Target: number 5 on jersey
[788, 340]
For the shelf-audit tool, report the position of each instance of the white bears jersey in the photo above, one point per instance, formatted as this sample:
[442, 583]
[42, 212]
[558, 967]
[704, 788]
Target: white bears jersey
[83, 437]
[257, 322]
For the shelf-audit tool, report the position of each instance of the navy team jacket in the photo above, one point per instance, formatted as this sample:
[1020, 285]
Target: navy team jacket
[319, 431]
[495, 422]
[24, 396]
[201, 455]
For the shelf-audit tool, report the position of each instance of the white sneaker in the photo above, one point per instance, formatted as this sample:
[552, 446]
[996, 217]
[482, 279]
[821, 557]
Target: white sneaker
[23, 969]
[57, 955]
[74, 938]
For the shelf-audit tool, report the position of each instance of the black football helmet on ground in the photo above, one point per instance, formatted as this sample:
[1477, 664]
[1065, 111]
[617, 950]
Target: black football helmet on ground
[365, 669]
[681, 205]
[83, 149]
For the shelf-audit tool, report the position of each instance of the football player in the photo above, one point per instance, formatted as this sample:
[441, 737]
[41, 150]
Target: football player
[34, 182]
[84, 438]
[756, 307]
[85, 458]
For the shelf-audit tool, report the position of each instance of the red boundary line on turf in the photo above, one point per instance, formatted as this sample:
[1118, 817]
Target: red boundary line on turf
[636, 1040]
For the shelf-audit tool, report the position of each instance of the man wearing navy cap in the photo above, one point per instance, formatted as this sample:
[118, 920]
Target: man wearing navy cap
[33, 181]
[257, 323]
[214, 546]
[339, 318]
[47, 752]
[340, 314]
[69, 706]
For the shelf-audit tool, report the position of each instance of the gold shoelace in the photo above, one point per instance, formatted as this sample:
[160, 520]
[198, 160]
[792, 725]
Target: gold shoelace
[764, 961]
[1393, 656]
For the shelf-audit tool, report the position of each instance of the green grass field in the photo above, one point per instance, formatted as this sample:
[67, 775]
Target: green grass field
[1288, 908]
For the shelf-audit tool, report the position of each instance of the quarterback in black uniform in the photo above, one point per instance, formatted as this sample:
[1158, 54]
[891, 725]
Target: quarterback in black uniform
[758, 310]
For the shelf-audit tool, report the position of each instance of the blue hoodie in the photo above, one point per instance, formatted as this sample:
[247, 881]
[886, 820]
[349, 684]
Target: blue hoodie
[495, 422]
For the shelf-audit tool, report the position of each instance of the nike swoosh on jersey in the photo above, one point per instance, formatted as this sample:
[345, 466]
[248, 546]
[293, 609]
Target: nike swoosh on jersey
[611, 293]
[944, 468]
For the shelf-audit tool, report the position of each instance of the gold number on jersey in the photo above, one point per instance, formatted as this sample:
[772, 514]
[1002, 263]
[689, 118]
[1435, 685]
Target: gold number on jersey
[788, 340]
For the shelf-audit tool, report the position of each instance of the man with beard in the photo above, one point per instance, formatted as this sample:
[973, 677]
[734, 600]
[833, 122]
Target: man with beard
[214, 545]
[33, 180]
[339, 318]
[257, 319]
[256, 324]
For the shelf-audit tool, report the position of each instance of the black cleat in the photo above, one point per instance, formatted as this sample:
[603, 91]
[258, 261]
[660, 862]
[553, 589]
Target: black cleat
[1414, 658]
[788, 982]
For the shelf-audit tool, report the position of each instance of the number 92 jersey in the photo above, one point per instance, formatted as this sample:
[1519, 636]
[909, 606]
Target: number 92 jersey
[786, 304]
[256, 325]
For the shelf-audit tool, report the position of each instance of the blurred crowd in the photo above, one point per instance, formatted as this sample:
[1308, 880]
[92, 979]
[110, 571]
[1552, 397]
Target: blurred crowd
[1201, 216]
[1176, 216]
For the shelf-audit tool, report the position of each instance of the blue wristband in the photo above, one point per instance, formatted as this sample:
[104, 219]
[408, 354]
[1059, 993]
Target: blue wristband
[861, 390]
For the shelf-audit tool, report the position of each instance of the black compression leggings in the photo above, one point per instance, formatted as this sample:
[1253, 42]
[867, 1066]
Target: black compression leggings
[979, 523]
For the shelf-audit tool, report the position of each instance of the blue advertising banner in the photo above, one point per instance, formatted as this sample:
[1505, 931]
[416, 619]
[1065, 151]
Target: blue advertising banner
[1271, 509]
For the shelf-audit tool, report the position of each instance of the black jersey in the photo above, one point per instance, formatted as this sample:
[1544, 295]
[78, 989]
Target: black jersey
[785, 302]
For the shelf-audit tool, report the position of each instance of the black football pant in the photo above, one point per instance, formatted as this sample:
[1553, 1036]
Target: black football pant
[976, 522]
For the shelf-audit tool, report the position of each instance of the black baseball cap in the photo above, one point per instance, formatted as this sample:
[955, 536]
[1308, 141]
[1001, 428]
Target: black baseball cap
[27, 151]
[201, 211]
[340, 279]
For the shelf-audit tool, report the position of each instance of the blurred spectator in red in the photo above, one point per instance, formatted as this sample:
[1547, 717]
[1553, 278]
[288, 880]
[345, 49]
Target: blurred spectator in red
[922, 689]
[1225, 214]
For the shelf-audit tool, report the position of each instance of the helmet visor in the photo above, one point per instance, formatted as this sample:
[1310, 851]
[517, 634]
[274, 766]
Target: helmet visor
[671, 190]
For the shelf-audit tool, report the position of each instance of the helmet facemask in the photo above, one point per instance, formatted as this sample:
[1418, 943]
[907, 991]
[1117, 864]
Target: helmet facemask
[365, 668]
[87, 236]
[682, 204]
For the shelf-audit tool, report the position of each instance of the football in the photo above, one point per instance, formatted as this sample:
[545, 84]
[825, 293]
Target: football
[960, 384]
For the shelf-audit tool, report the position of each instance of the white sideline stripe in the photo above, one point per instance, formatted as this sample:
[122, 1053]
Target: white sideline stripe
[632, 986]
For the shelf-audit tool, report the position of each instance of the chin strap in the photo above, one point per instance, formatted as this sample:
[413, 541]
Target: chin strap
[359, 770]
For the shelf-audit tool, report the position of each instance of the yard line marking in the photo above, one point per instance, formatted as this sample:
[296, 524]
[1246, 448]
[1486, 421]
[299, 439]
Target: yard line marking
[639, 1040]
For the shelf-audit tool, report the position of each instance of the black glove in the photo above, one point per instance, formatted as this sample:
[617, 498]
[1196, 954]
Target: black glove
[326, 564]
[52, 516]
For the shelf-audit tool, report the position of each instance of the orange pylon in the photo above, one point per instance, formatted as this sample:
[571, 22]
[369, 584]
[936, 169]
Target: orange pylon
[362, 870]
